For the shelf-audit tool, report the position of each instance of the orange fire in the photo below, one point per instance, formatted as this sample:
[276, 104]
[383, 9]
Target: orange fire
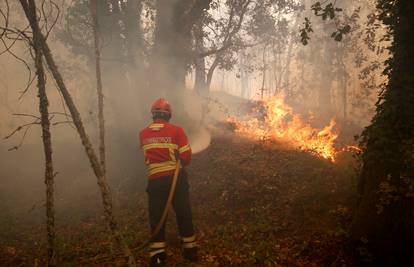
[281, 123]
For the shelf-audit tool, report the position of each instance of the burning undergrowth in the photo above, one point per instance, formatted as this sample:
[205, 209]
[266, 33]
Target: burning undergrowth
[272, 119]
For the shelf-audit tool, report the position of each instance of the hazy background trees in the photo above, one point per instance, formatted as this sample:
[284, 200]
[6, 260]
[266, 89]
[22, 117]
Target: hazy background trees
[241, 47]
[250, 49]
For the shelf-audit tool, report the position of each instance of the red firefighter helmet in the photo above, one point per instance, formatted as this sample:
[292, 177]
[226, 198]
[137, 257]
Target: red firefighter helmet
[161, 105]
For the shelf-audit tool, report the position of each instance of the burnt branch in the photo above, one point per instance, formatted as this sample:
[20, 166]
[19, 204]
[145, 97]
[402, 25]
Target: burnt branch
[26, 115]
[22, 139]
[61, 113]
[62, 122]
[21, 127]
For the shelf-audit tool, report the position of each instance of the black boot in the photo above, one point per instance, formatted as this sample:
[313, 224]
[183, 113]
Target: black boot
[158, 260]
[190, 254]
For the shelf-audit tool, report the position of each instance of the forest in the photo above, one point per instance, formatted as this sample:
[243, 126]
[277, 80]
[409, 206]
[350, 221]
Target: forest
[297, 115]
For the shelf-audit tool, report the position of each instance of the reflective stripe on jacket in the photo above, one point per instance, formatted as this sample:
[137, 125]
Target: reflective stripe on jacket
[163, 143]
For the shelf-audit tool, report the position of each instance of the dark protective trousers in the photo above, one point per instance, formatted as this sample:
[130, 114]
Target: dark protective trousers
[158, 190]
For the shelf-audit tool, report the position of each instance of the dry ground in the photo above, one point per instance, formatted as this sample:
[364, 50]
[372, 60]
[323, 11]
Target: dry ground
[253, 204]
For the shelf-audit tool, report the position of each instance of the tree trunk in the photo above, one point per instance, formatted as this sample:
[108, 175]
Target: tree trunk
[388, 147]
[303, 78]
[211, 72]
[171, 53]
[277, 70]
[325, 81]
[289, 57]
[47, 147]
[230, 32]
[101, 119]
[244, 76]
[345, 94]
[324, 95]
[103, 185]
[342, 78]
[135, 47]
[200, 83]
[262, 89]
[280, 68]
[222, 83]
[171, 48]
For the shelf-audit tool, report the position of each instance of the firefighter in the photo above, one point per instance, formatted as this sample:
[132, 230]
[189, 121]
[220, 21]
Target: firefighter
[163, 145]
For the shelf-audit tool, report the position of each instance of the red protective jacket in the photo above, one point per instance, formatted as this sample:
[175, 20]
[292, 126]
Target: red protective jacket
[163, 143]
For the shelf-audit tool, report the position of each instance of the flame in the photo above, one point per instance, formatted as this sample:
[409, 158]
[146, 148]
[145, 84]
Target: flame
[281, 123]
[352, 148]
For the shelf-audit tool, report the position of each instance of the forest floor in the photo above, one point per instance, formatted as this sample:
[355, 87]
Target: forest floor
[253, 204]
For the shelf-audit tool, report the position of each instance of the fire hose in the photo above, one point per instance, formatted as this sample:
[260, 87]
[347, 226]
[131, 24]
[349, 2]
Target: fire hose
[162, 220]
[168, 203]
[166, 209]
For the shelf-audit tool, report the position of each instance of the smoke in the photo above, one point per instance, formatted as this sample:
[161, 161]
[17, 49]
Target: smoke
[128, 99]
[127, 111]
[200, 140]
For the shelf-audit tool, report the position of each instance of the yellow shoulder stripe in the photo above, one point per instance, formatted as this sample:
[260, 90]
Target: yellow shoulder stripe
[184, 148]
[156, 125]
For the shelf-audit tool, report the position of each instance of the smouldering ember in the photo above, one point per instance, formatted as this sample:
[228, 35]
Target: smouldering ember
[281, 123]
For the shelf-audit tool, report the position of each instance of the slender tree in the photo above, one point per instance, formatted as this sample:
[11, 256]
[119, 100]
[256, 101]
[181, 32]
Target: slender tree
[47, 146]
[222, 52]
[29, 7]
[101, 119]
[199, 61]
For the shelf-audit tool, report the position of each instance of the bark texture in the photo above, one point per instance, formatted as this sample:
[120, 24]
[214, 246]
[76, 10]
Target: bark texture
[101, 119]
[171, 53]
[99, 173]
[47, 147]
[387, 227]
